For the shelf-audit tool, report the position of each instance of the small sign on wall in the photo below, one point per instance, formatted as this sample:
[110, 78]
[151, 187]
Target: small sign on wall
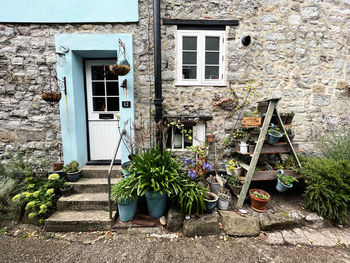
[126, 104]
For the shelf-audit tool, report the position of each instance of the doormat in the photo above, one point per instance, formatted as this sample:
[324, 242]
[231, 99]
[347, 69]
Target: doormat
[139, 221]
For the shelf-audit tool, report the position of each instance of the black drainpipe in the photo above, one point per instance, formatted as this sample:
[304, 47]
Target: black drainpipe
[157, 63]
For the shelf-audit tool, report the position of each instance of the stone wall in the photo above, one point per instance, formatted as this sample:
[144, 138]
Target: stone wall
[299, 51]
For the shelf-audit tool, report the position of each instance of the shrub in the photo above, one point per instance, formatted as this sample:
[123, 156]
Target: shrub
[327, 188]
[72, 167]
[125, 189]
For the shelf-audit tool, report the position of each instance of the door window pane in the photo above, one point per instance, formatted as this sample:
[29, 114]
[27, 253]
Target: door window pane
[189, 43]
[212, 43]
[189, 58]
[112, 104]
[211, 72]
[189, 72]
[97, 72]
[212, 58]
[98, 89]
[112, 88]
[98, 104]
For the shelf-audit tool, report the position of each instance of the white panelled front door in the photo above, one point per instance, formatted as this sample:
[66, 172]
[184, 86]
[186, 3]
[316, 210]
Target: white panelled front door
[102, 92]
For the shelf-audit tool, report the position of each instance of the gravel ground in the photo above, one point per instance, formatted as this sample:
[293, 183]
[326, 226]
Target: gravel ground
[24, 243]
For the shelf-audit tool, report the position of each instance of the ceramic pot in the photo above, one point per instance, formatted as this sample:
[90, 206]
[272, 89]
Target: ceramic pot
[259, 204]
[210, 203]
[223, 201]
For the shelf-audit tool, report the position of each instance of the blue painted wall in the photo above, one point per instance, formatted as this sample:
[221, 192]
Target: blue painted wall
[72, 106]
[68, 11]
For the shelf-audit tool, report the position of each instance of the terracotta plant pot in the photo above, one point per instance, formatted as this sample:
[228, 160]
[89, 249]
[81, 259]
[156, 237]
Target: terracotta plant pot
[259, 204]
[210, 138]
[57, 166]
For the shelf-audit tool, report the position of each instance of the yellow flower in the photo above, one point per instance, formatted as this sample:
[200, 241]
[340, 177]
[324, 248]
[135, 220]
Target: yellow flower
[30, 205]
[31, 215]
[36, 193]
[16, 197]
[50, 191]
[28, 179]
[27, 194]
[30, 186]
[54, 176]
[42, 207]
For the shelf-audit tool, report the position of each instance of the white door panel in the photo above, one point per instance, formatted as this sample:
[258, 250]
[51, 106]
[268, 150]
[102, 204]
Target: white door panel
[102, 90]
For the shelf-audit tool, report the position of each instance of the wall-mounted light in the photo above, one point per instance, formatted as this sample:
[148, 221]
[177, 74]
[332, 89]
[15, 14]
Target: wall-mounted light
[61, 55]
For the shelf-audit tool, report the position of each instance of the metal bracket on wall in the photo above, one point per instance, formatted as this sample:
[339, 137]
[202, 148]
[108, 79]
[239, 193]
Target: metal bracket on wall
[62, 85]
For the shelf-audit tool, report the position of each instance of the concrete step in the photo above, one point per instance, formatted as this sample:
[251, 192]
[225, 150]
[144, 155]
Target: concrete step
[85, 201]
[101, 171]
[79, 221]
[93, 185]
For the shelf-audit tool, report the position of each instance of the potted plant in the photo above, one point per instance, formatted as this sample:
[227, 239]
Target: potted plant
[215, 183]
[210, 200]
[125, 194]
[259, 199]
[243, 137]
[233, 168]
[66, 189]
[223, 201]
[72, 171]
[252, 118]
[274, 135]
[57, 166]
[211, 135]
[157, 174]
[284, 182]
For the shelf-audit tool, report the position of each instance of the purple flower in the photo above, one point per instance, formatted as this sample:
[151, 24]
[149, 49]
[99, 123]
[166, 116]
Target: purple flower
[192, 174]
[189, 162]
[207, 166]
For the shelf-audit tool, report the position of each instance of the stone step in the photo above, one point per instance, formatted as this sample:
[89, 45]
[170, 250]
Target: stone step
[101, 171]
[93, 185]
[79, 221]
[85, 201]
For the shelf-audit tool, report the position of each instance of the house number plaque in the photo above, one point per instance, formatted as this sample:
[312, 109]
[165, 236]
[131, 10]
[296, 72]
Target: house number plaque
[126, 104]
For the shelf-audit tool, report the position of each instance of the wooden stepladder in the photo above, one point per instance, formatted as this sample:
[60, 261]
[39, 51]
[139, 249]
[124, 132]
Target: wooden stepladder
[263, 132]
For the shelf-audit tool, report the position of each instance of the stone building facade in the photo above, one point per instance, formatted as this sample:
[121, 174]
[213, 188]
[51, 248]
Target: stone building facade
[299, 51]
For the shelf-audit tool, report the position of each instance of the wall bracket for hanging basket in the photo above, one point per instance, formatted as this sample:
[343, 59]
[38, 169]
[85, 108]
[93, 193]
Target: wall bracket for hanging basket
[122, 67]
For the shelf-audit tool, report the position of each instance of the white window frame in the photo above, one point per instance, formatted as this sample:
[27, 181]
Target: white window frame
[198, 135]
[200, 80]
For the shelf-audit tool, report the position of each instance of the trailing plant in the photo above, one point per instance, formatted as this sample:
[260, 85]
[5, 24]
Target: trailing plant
[125, 189]
[251, 114]
[232, 180]
[156, 170]
[287, 179]
[72, 167]
[327, 188]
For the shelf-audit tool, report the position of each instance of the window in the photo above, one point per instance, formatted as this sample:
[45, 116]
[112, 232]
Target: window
[200, 57]
[177, 140]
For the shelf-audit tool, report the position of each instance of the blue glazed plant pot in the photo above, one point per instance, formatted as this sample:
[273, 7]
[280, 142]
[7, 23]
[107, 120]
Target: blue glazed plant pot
[127, 209]
[210, 203]
[125, 166]
[156, 203]
[274, 137]
[282, 187]
[73, 177]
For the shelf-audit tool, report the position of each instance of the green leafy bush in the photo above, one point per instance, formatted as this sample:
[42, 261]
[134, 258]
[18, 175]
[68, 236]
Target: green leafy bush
[327, 188]
[156, 170]
[191, 197]
[72, 167]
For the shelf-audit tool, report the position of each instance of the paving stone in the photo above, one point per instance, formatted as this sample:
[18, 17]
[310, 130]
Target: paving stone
[276, 221]
[205, 225]
[275, 238]
[317, 238]
[342, 234]
[236, 225]
[295, 237]
[175, 220]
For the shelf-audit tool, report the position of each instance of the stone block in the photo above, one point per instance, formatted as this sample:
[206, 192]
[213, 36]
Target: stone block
[275, 238]
[6, 136]
[206, 225]
[295, 237]
[276, 221]
[321, 237]
[318, 89]
[236, 225]
[321, 100]
[294, 19]
[175, 220]
[309, 12]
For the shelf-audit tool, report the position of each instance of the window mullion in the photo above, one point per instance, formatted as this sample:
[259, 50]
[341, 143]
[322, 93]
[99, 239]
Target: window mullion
[201, 55]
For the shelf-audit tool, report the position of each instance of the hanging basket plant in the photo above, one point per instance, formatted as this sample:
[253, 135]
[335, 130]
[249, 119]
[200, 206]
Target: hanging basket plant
[122, 66]
[51, 97]
[51, 89]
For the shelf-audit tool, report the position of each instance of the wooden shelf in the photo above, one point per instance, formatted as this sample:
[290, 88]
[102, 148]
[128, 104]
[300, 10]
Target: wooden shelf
[270, 175]
[250, 127]
[280, 147]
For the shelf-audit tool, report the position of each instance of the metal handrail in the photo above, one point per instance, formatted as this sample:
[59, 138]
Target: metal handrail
[110, 170]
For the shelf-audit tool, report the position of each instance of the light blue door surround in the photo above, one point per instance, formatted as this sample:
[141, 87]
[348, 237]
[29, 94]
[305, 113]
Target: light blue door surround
[72, 106]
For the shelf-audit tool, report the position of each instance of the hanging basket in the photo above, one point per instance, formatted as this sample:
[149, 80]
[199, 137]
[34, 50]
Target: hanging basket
[51, 97]
[119, 70]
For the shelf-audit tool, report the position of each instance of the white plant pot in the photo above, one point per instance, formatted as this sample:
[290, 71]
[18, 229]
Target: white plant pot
[243, 147]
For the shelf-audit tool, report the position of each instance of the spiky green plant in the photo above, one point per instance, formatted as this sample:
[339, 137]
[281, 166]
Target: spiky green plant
[125, 189]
